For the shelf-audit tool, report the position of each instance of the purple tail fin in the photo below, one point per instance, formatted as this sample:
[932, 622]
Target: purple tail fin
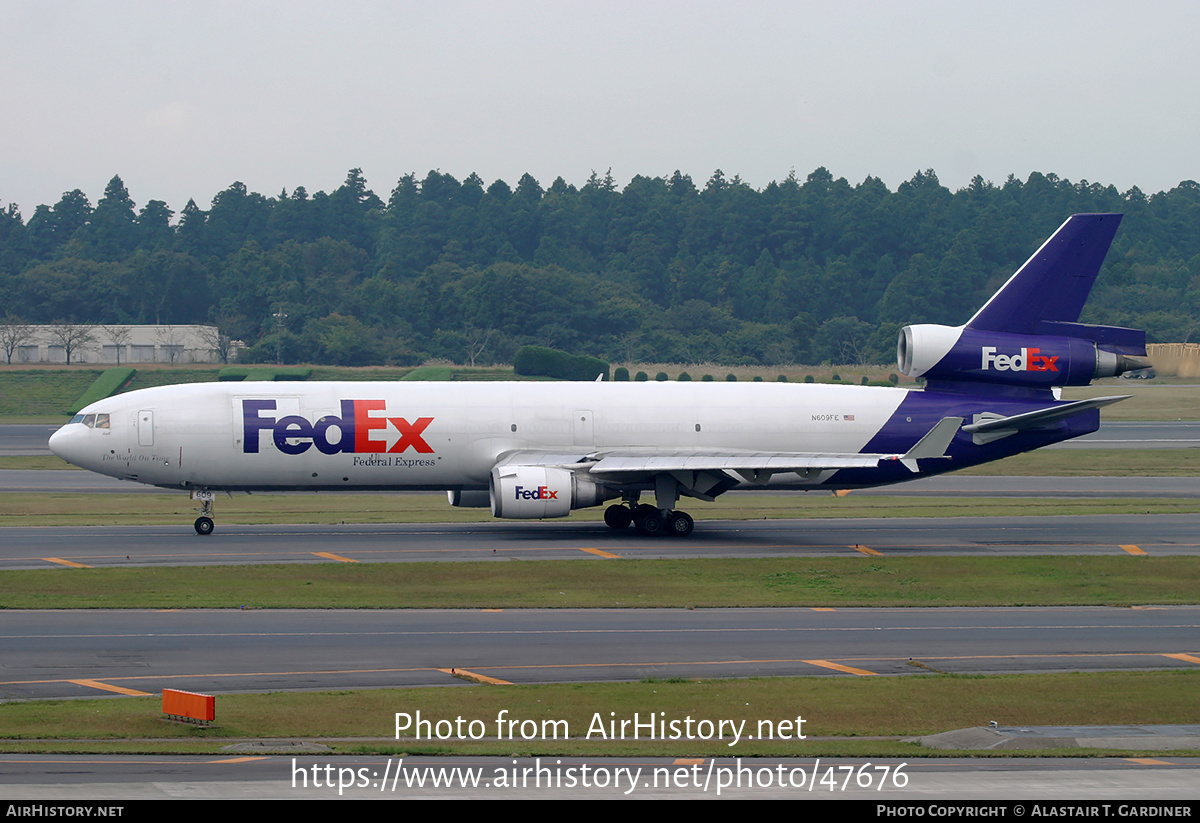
[1054, 283]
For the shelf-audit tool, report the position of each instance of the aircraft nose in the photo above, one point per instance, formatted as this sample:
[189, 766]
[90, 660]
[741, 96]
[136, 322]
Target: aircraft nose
[65, 443]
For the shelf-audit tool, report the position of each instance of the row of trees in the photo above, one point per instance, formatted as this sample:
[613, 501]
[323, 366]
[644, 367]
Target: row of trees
[806, 270]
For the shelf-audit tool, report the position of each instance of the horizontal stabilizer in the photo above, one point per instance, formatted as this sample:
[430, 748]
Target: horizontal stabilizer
[987, 428]
[1111, 338]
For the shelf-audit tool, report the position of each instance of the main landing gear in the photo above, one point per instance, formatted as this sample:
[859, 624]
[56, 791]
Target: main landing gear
[204, 523]
[649, 521]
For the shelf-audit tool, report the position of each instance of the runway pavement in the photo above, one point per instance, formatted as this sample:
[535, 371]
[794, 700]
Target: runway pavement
[26, 439]
[501, 541]
[65, 654]
[1138, 435]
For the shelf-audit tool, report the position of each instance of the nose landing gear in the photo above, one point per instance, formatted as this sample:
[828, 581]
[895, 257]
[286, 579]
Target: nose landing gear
[204, 523]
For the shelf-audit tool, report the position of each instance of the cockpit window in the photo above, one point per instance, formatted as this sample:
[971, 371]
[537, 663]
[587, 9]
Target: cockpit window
[92, 421]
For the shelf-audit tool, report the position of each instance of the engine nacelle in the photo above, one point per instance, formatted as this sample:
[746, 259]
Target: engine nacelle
[470, 499]
[536, 492]
[1032, 360]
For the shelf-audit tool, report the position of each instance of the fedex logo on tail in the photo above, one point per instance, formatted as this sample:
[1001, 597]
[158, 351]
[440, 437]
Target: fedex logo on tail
[358, 430]
[1030, 359]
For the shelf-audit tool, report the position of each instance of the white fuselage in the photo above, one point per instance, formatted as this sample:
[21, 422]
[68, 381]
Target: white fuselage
[402, 435]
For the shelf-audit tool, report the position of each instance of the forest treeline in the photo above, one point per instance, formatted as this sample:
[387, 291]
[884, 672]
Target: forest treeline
[801, 271]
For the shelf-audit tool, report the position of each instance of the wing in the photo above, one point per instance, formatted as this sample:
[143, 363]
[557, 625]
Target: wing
[705, 473]
[806, 464]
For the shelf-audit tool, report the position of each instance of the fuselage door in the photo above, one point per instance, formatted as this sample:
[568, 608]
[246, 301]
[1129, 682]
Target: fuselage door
[145, 428]
[583, 430]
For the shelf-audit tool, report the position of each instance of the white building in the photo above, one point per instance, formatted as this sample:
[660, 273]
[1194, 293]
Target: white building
[122, 344]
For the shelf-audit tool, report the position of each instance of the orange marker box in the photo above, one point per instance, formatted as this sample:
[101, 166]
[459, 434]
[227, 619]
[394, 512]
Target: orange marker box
[189, 704]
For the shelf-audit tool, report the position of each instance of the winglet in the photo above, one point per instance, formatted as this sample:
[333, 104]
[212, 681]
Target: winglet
[934, 443]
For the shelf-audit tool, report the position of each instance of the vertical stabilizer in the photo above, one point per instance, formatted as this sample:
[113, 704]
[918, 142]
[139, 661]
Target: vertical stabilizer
[1054, 283]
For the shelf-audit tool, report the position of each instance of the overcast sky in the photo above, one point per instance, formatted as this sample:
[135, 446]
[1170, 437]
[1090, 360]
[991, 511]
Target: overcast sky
[183, 98]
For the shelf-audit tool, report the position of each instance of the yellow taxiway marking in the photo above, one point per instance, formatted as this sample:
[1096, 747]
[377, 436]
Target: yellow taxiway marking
[491, 610]
[481, 678]
[568, 666]
[236, 675]
[688, 761]
[108, 687]
[839, 667]
[332, 556]
[239, 759]
[1186, 658]
[841, 492]
[823, 609]
[62, 562]
[1149, 761]
[602, 553]
[1132, 549]
[866, 550]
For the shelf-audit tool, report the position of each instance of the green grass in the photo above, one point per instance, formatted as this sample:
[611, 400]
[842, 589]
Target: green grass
[837, 711]
[107, 384]
[590, 582]
[1094, 463]
[34, 462]
[37, 394]
[430, 373]
[1152, 400]
[149, 377]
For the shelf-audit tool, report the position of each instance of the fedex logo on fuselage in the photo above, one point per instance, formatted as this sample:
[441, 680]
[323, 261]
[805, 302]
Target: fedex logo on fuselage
[354, 432]
[540, 493]
[1029, 359]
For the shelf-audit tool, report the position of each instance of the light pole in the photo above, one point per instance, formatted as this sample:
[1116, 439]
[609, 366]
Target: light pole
[279, 318]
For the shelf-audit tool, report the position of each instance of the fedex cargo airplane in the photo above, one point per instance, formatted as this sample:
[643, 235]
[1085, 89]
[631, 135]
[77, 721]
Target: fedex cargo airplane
[539, 450]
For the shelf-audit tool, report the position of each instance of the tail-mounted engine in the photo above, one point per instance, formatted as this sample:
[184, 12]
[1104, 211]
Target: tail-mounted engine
[535, 492]
[1070, 354]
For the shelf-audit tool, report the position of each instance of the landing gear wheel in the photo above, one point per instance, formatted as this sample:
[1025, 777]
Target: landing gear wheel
[680, 524]
[648, 521]
[204, 523]
[618, 517]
